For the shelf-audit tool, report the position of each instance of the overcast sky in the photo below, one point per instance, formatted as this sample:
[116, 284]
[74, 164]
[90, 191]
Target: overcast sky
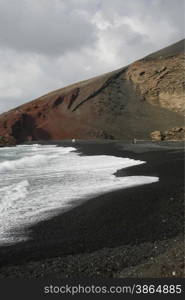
[47, 44]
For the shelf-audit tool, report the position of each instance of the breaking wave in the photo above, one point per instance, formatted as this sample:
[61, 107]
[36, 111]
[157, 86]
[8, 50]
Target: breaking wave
[38, 182]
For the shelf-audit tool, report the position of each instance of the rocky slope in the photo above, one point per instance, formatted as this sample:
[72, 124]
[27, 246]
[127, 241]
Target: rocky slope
[133, 101]
[174, 134]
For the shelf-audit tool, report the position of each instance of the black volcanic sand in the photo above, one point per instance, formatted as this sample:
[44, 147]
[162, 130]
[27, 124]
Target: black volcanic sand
[133, 232]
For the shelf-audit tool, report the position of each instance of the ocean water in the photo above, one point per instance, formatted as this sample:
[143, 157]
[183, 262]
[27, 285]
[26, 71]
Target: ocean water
[40, 181]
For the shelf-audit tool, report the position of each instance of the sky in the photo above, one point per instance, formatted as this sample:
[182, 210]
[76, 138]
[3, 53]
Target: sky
[46, 45]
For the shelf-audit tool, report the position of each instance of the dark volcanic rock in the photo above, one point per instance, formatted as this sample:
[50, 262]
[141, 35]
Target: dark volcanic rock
[6, 141]
[174, 134]
[134, 101]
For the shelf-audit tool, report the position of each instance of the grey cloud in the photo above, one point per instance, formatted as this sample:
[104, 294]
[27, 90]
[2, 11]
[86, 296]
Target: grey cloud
[46, 27]
[7, 104]
[162, 23]
[149, 12]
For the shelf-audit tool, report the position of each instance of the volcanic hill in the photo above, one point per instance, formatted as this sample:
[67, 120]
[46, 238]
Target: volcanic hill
[134, 101]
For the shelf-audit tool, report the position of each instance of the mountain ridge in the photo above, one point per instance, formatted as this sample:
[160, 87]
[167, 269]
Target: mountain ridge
[132, 101]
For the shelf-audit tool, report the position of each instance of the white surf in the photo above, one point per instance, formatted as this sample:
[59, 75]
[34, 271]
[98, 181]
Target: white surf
[38, 182]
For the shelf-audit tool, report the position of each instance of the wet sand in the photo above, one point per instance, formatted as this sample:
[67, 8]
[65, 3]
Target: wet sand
[133, 232]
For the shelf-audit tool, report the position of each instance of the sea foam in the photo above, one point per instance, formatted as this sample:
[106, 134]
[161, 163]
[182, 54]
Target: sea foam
[38, 182]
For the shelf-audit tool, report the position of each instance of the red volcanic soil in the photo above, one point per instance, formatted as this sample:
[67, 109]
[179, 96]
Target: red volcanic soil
[130, 102]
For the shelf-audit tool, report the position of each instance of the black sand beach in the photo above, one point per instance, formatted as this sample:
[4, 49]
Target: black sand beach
[133, 232]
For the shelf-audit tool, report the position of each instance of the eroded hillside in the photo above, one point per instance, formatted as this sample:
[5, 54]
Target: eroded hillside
[134, 101]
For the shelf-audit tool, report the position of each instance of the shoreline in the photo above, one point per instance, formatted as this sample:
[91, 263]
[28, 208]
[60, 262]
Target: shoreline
[112, 228]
